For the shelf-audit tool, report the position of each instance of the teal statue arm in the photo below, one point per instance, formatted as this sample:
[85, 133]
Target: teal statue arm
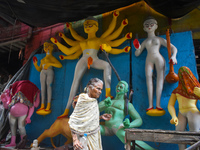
[126, 123]
[137, 120]
[105, 104]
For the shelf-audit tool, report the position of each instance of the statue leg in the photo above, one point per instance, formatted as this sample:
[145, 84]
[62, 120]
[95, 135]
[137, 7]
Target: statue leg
[48, 133]
[60, 126]
[149, 75]
[43, 88]
[22, 131]
[194, 121]
[121, 135]
[13, 124]
[182, 123]
[21, 125]
[160, 69]
[80, 69]
[105, 131]
[50, 76]
[13, 128]
[105, 66]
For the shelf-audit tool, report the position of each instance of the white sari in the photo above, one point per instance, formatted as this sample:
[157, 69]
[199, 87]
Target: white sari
[85, 119]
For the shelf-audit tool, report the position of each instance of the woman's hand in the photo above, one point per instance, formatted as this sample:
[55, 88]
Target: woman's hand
[106, 117]
[76, 143]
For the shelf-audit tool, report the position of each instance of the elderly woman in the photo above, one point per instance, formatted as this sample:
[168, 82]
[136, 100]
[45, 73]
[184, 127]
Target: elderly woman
[187, 94]
[85, 117]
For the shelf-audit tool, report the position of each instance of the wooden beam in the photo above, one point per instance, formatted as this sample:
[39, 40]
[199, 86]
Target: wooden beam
[194, 146]
[162, 136]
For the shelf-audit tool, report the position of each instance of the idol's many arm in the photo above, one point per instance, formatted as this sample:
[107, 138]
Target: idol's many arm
[111, 26]
[64, 49]
[71, 57]
[120, 41]
[137, 120]
[75, 35]
[67, 40]
[116, 33]
[105, 46]
[116, 51]
[172, 110]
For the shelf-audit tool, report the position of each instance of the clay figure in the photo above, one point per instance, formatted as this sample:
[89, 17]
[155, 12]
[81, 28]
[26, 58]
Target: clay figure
[35, 145]
[187, 94]
[118, 122]
[20, 99]
[154, 58]
[60, 126]
[46, 77]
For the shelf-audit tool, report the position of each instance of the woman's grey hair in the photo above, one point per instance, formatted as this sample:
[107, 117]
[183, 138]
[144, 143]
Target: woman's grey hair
[92, 83]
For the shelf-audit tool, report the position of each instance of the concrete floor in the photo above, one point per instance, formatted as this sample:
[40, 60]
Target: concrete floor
[2, 147]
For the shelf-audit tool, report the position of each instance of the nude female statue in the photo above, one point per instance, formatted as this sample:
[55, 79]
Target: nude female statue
[46, 77]
[152, 45]
[89, 48]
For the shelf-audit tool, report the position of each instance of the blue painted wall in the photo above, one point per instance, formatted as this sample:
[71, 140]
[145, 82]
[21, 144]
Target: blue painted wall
[64, 77]
[61, 88]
